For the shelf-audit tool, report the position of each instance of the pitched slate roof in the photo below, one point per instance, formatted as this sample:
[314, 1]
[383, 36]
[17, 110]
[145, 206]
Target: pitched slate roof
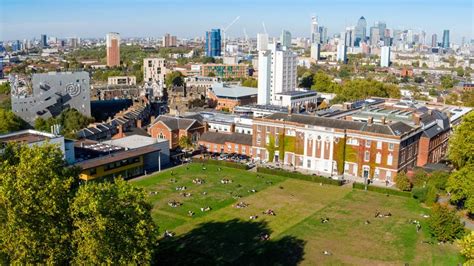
[395, 129]
[222, 138]
[175, 123]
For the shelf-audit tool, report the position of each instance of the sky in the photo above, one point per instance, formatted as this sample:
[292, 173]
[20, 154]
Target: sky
[27, 19]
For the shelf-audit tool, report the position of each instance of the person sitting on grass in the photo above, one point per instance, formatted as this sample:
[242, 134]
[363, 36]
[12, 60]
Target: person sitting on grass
[253, 217]
[325, 220]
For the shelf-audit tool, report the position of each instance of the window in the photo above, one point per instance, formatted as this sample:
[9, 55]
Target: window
[267, 139]
[379, 145]
[378, 158]
[268, 129]
[402, 156]
[276, 140]
[376, 173]
[258, 139]
[93, 171]
[367, 156]
[229, 147]
[368, 143]
[390, 159]
[244, 149]
[259, 129]
[236, 147]
[309, 163]
[391, 146]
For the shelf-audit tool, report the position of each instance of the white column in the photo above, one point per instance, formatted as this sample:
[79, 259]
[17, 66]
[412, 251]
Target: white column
[159, 161]
[305, 154]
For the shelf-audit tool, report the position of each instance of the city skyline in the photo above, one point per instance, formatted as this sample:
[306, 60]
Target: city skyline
[154, 18]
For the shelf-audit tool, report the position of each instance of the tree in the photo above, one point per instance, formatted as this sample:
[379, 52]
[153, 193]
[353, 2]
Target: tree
[184, 142]
[175, 78]
[250, 82]
[70, 121]
[35, 190]
[112, 224]
[419, 80]
[306, 80]
[461, 186]
[467, 248]
[323, 83]
[402, 182]
[461, 143]
[447, 82]
[5, 88]
[460, 71]
[444, 224]
[10, 122]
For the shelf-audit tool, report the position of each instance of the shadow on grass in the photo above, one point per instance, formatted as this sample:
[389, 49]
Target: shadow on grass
[233, 242]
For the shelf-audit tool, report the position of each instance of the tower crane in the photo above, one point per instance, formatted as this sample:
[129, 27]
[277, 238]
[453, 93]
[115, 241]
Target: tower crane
[224, 30]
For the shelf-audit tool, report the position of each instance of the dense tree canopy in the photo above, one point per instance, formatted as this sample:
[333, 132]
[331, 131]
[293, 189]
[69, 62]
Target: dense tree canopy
[175, 78]
[324, 83]
[10, 122]
[461, 143]
[461, 186]
[35, 189]
[112, 224]
[70, 121]
[362, 89]
[444, 224]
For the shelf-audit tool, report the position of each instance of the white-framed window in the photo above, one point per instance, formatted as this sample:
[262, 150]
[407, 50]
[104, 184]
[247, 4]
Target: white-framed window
[378, 158]
[267, 139]
[277, 140]
[366, 156]
[389, 159]
[376, 173]
[258, 139]
[388, 175]
[268, 129]
[368, 143]
[244, 149]
[308, 163]
[379, 145]
[402, 156]
[229, 147]
[391, 146]
[259, 128]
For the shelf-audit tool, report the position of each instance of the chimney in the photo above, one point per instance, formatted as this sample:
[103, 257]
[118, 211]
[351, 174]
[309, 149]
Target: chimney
[383, 120]
[139, 123]
[232, 128]
[120, 132]
[416, 119]
[370, 120]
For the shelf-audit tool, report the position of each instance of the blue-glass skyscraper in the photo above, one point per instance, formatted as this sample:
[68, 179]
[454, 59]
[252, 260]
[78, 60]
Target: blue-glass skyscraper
[44, 41]
[213, 43]
[446, 39]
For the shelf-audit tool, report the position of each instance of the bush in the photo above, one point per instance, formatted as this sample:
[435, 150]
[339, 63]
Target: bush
[312, 178]
[383, 190]
[419, 193]
[222, 163]
[427, 194]
[402, 182]
[444, 224]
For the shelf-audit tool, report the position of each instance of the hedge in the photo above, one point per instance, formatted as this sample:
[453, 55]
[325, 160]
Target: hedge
[312, 178]
[222, 163]
[382, 190]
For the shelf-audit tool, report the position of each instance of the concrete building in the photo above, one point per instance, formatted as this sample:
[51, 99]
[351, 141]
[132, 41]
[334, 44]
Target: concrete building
[154, 73]
[385, 56]
[225, 71]
[200, 82]
[169, 41]
[113, 49]
[53, 92]
[434, 40]
[122, 80]
[262, 42]
[276, 73]
[315, 35]
[315, 51]
[285, 39]
[341, 53]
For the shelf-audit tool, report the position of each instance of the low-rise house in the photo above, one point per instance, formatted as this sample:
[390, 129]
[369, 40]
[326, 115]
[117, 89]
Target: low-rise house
[173, 128]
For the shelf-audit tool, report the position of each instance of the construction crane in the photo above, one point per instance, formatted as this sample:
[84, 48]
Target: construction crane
[247, 41]
[224, 30]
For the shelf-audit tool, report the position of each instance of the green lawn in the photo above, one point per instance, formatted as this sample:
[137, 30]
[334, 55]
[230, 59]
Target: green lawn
[226, 235]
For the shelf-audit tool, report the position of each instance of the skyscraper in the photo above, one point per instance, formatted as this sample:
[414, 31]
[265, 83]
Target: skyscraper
[44, 41]
[315, 35]
[113, 49]
[349, 36]
[315, 51]
[323, 32]
[385, 56]
[361, 31]
[446, 39]
[276, 73]
[382, 26]
[169, 41]
[285, 38]
[434, 40]
[262, 42]
[213, 42]
[341, 53]
[374, 35]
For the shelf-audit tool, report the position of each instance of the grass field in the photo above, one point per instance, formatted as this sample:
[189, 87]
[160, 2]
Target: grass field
[226, 235]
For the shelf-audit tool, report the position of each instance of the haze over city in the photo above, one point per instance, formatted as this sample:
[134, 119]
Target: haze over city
[187, 19]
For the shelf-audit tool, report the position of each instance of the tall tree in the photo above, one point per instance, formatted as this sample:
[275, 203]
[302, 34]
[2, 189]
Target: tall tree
[467, 248]
[35, 190]
[444, 224]
[461, 143]
[175, 78]
[461, 186]
[10, 122]
[112, 224]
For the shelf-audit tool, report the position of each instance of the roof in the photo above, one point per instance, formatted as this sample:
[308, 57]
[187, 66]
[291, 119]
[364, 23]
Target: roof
[175, 123]
[26, 136]
[222, 138]
[134, 141]
[117, 156]
[222, 91]
[395, 129]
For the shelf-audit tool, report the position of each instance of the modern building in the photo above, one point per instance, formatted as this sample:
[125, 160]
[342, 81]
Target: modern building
[113, 49]
[213, 46]
[323, 32]
[315, 35]
[385, 56]
[262, 42]
[73, 42]
[122, 80]
[315, 51]
[169, 41]
[44, 41]
[36, 138]
[276, 73]
[227, 97]
[360, 31]
[374, 35]
[200, 81]
[350, 36]
[285, 39]
[446, 39]
[341, 53]
[225, 71]
[52, 93]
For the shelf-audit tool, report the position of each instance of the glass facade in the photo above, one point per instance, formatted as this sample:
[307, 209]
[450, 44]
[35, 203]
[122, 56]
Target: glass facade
[213, 43]
[446, 39]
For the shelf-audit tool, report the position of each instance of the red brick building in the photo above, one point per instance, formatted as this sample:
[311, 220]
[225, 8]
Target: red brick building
[225, 97]
[173, 128]
[336, 147]
[434, 140]
[227, 143]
